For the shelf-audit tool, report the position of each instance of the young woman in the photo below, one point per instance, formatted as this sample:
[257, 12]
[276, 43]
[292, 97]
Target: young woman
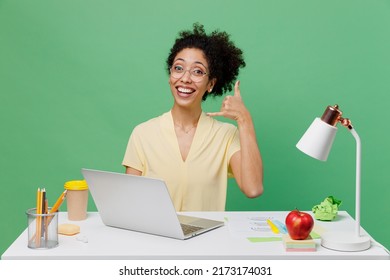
[187, 148]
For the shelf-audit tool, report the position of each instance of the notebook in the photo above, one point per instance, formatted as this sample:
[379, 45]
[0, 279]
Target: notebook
[141, 204]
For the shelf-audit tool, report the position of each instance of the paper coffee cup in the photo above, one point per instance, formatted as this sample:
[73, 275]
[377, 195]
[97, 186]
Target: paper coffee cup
[77, 199]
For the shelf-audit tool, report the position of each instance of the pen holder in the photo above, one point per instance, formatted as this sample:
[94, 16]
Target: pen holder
[42, 229]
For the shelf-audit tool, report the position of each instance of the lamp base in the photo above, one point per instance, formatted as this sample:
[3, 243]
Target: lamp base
[345, 241]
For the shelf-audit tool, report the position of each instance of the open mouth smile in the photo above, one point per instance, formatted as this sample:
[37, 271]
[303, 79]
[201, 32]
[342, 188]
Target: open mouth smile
[185, 91]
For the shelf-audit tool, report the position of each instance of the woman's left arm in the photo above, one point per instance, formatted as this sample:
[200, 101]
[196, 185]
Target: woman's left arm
[246, 164]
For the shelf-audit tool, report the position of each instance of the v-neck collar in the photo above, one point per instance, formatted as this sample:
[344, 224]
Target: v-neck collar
[170, 130]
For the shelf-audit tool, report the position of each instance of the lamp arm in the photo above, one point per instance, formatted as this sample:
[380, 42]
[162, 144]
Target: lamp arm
[358, 172]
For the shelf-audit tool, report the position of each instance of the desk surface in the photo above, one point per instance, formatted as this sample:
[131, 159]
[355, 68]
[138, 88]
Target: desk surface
[112, 243]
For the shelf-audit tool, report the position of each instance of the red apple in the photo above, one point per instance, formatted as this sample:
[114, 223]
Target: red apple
[299, 224]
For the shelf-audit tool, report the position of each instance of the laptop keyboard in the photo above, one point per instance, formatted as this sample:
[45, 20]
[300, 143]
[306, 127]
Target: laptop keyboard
[188, 229]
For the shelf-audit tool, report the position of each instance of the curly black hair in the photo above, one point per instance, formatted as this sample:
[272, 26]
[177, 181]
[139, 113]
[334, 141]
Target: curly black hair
[223, 57]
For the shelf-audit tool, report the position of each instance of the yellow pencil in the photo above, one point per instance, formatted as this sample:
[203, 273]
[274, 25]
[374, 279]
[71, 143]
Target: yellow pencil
[56, 206]
[272, 226]
[38, 219]
[58, 203]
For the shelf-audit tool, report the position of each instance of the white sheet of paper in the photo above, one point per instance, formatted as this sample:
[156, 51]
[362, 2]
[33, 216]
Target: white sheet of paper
[250, 226]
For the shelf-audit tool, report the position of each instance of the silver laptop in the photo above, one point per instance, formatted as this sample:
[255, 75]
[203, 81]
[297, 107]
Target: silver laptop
[141, 204]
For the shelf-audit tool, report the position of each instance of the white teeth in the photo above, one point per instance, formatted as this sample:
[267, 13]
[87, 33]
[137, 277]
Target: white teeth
[185, 90]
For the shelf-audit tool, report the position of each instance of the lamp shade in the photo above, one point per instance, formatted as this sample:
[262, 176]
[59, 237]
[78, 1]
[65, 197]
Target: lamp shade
[317, 140]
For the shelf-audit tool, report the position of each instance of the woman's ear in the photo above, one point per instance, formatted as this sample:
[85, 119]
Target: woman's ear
[212, 84]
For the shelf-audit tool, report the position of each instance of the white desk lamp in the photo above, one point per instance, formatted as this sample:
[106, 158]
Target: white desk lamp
[317, 142]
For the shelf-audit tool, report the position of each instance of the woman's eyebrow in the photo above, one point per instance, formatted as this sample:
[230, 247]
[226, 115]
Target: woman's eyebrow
[196, 62]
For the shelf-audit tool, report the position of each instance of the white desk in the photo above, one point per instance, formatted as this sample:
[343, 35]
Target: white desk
[112, 243]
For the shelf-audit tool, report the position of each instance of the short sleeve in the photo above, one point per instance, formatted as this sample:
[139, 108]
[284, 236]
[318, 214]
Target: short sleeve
[134, 156]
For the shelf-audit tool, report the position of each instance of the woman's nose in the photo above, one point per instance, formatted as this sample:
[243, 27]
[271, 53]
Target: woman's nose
[186, 76]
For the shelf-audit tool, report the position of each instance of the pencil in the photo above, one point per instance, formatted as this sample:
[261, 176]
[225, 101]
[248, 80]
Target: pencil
[38, 219]
[56, 206]
[46, 219]
[58, 203]
[43, 211]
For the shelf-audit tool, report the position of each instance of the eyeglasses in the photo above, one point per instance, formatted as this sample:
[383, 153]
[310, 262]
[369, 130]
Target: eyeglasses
[178, 71]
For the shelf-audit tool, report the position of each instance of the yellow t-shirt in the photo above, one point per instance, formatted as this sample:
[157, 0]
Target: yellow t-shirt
[197, 184]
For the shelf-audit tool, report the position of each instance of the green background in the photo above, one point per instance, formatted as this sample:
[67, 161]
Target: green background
[77, 76]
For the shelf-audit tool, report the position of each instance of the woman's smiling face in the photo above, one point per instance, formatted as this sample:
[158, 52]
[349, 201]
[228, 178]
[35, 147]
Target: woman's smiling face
[189, 89]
